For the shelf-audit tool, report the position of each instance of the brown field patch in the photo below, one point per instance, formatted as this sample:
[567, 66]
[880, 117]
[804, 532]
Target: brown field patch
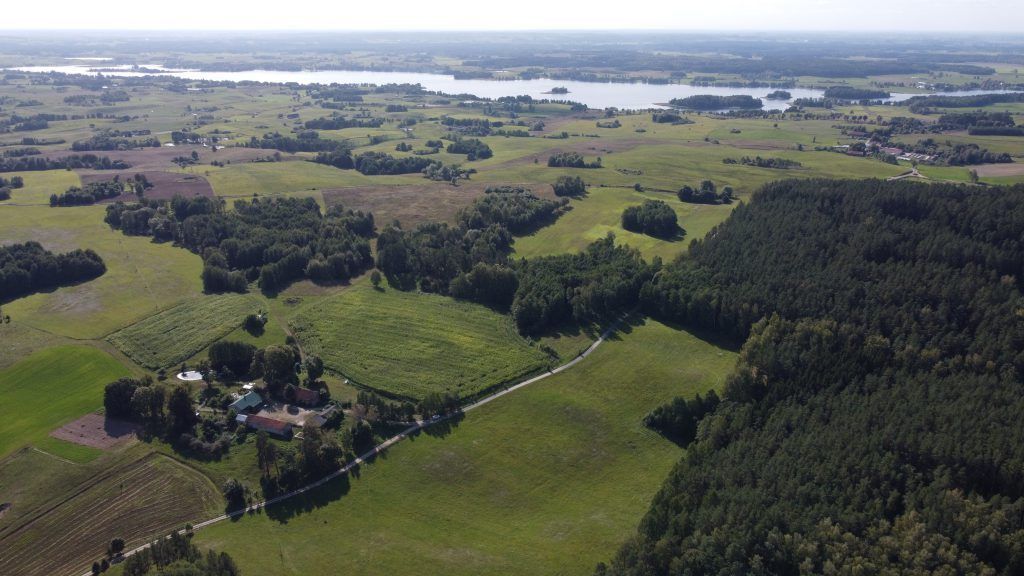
[138, 500]
[166, 185]
[97, 431]
[994, 170]
[410, 205]
[162, 158]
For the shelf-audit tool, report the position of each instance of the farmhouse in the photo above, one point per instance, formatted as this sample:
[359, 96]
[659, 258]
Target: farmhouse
[306, 397]
[269, 425]
[248, 401]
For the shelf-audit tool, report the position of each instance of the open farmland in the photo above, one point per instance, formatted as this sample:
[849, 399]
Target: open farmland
[49, 388]
[174, 335]
[542, 482]
[142, 277]
[138, 499]
[409, 344]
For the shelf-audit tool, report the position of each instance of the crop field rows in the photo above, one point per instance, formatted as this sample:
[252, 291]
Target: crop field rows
[140, 500]
[174, 335]
[410, 344]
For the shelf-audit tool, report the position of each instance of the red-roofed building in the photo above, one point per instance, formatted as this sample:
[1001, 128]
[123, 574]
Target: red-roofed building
[306, 397]
[268, 425]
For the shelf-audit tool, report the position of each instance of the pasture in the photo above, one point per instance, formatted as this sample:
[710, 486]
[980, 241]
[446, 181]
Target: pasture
[50, 388]
[176, 334]
[142, 277]
[547, 480]
[409, 344]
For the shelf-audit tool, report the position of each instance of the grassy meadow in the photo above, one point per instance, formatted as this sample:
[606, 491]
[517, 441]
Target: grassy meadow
[548, 480]
[48, 389]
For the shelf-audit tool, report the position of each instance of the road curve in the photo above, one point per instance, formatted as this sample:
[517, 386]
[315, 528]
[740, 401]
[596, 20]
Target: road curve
[390, 442]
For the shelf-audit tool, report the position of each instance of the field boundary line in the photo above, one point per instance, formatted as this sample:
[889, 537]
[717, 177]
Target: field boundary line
[379, 448]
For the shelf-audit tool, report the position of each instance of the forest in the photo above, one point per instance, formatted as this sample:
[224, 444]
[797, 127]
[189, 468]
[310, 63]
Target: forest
[272, 241]
[888, 334]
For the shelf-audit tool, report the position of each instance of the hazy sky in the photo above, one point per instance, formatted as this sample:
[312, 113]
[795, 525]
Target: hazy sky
[910, 15]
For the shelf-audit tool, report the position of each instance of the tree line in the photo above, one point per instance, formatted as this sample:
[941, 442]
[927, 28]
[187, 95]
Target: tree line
[88, 194]
[758, 162]
[70, 162]
[571, 160]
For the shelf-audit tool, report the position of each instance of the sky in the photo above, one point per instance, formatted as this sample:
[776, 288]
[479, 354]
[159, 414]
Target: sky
[782, 15]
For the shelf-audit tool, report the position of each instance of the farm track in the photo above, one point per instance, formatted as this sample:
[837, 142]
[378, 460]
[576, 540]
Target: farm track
[378, 449]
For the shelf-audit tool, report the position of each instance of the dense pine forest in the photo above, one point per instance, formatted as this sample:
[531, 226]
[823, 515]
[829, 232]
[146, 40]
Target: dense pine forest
[872, 421]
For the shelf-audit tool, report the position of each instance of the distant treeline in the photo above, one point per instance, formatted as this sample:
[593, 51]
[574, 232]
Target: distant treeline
[758, 162]
[112, 142]
[926, 104]
[713, 102]
[308, 141]
[340, 123]
[571, 160]
[88, 194]
[27, 268]
[856, 94]
[473, 148]
[72, 162]
[668, 117]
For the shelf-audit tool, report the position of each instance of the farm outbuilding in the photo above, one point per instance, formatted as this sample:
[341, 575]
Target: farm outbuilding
[269, 425]
[306, 397]
[248, 401]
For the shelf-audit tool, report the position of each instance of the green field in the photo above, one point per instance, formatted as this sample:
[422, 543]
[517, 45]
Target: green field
[142, 277]
[409, 344]
[175, 335]
[600, 212]
[547, 480]
[50, 388]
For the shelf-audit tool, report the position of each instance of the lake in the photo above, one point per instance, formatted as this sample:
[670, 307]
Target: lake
[593, 94]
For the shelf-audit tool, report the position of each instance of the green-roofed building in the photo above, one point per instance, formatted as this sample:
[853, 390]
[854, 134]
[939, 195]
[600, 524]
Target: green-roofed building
[247, 402]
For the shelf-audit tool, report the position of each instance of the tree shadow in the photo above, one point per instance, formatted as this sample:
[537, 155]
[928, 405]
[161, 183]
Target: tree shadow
[443, 428]
[307, 502]
[717, 339]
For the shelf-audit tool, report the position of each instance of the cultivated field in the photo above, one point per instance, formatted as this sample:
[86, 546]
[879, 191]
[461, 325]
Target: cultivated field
[50, 388]
[174, 335]
[409, 344]
[139, 500]
[548, 480]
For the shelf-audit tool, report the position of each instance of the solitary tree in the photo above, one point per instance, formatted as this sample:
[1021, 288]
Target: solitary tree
[375, 278]
[116, 546]
[314, 369]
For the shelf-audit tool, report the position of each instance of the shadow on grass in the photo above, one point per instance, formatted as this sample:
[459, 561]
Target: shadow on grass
[282, 512]
[717, 339]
